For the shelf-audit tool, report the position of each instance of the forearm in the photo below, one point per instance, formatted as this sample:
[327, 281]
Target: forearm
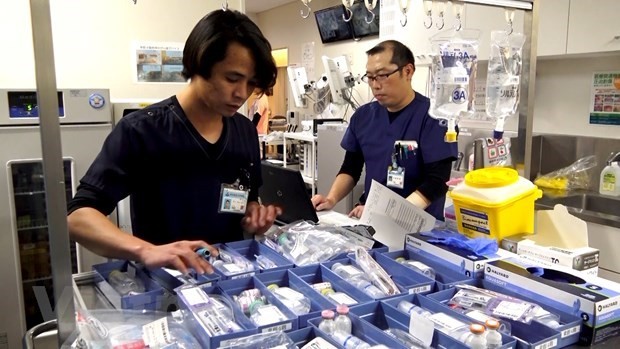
[343, 184]
[93, 230]
[418, 199]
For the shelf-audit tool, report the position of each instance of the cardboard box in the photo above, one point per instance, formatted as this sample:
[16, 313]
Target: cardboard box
[584, 259]
[595, 300]
[466, 262]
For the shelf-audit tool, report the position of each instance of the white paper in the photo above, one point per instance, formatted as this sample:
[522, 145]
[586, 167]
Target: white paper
[336, 218]
[195, 296]
[318, 343]
[156, 333]
[393, 217]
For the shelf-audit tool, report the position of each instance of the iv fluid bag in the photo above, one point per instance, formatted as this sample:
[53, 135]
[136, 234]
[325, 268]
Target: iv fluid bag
[504, 76]
[453, 70]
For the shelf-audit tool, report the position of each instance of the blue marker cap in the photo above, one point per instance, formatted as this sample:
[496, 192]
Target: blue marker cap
[203, 252]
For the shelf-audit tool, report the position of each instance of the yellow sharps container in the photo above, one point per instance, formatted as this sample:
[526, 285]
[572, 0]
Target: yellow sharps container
[495, 202]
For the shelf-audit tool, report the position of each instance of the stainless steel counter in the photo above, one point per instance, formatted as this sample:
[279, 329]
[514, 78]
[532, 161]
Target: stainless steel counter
[587, 205]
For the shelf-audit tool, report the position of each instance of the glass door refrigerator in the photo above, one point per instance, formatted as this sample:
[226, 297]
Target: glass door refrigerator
[25, 265]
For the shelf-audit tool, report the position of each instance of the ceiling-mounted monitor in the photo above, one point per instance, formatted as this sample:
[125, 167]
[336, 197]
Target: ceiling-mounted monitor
[361, 28]
[331, 25]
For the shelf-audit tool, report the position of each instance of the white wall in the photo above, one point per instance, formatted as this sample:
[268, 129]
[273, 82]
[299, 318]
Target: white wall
[93, 41]
[563, 88]
[562, 85]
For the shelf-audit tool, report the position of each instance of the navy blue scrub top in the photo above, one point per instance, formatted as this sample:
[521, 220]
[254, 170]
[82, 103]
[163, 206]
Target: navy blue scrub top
[156, 156]
[371, 132]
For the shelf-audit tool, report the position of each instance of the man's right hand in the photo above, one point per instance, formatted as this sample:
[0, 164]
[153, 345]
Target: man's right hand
[180, 255]
[322, 203]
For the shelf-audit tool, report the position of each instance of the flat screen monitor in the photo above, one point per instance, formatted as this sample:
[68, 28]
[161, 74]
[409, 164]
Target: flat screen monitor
[334, 70]
[297, 78]
[358, 22]
[331, 26]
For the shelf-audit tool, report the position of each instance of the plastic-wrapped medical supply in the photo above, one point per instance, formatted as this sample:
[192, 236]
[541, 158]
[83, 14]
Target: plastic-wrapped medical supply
[503, 306]
[453, 73]
[455, 328]
[214, 312]
[231, 264]
[504, 77]
[375, 273]
[503, 326]
[304, 243]
[418, 266]
[404, 337]
[112, 328]
[295, 301]
[262, 340]
[574, 176]
[256, 307]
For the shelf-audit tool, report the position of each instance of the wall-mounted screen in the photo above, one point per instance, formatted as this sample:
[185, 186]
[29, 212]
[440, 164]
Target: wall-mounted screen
[331, 25]
[360, 27]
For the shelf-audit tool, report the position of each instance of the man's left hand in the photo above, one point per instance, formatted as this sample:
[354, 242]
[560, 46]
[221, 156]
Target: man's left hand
[258, 218]
[357, 212]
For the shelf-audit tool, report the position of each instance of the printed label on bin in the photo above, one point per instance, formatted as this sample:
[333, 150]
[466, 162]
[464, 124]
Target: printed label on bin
[511, 310]
[547, 345]
[571, 331]
[342, 298]
[279, 328]
[421, 328]
[241, 276]
[420, 289]
[156, 333]
[474, 220]
[445, 322]
[195, 296]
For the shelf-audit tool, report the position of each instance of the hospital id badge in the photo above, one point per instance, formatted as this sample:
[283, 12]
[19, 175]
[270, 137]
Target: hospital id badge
[396, 178]
[233, 199]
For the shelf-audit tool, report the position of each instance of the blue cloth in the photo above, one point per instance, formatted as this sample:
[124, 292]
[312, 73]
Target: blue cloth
[479, 246]
[371, 132]
[160, 160]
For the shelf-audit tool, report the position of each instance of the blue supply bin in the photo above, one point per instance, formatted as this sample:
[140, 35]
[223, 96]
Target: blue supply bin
[403, 276]
[234, 287]
[233, 274]
[196, 326]
[570, 324]
[315, 274]
[364, 331]
[252, 248]
[445, 277]
[303, 336]
[171, 282]
[154, 298]
[282, 278]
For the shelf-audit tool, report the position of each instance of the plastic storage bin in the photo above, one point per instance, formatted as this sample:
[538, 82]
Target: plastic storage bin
[495, 202]
[252, 248]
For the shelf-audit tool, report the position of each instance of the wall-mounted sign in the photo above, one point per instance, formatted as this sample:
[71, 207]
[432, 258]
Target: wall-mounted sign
[605, 103]
[158, 62]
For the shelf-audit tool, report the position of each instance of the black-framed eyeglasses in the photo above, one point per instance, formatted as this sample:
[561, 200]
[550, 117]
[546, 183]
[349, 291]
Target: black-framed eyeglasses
[379, 77]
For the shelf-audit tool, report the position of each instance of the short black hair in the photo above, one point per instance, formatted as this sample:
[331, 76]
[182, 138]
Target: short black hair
[209, 40]
[401, 54]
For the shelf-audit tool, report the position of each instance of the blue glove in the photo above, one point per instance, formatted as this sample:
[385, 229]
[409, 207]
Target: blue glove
[479, 246]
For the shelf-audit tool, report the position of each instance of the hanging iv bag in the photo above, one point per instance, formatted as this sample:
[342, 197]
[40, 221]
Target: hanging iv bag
[453, 73]
[503, 78]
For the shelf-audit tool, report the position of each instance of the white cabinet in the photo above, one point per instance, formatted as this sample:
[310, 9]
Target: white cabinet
[594, 26]
[487, 19]
[552, 27]
[307, 156]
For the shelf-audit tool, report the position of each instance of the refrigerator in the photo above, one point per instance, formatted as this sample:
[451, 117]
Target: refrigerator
[86, 119]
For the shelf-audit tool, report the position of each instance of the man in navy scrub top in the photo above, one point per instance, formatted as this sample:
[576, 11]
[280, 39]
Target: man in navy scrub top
[190, 163]
[400, 144]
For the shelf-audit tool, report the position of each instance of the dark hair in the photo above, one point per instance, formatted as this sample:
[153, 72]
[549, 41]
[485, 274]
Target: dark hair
[210, 38]
[401, 54]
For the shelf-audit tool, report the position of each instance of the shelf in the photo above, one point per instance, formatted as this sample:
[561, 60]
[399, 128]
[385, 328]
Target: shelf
[300, 136]
[32, 227]
[308, 180]
[30, 193]
[37, 279]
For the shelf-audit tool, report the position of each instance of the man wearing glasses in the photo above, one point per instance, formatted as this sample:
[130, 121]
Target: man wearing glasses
[400, 144]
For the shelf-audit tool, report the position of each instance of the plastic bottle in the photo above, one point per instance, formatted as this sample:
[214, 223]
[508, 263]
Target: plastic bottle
[546, 318]
[404, 337]
[347, 272]
[610, 177]
[125, 284]
[476, 338]
[342, 321]
[452, 327]
[367, 287]
[358, 279]
[349, 341]
[327, 325]
[418, 266]
[494, 338]
[408, 308]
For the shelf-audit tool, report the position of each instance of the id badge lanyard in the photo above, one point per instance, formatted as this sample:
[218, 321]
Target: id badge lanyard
[234, 196]
[396, 172]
